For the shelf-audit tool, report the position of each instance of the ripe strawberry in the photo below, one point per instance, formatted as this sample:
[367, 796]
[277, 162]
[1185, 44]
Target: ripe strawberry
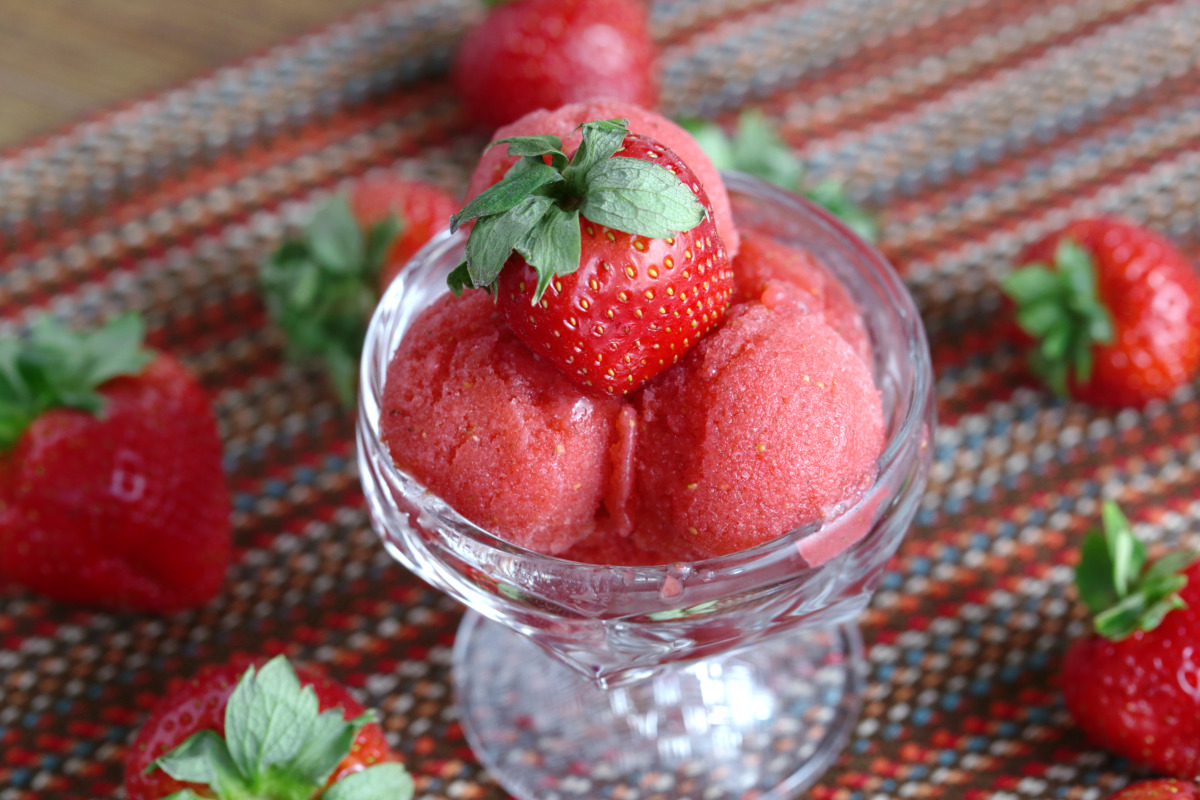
[609, 265]
[757, 150]
[322, 287]
[1133, 685]
[419, 211]
[112, 491]
[1116, 311]
[242, 730]
[1159, 789]
[531, 54]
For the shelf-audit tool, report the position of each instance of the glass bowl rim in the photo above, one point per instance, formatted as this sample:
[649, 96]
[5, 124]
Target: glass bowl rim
[918, 403]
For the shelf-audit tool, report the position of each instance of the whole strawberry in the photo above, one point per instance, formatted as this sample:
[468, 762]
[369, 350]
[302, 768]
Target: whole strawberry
[1115, 310]
[608, 265]
[1159, 789]
[531, 54]
[1133, 685]
[112, 492]
[322, 287]
[267, 732]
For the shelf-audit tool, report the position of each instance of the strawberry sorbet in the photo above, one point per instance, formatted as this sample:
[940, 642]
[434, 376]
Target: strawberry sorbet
[771, 422]
[500, 435]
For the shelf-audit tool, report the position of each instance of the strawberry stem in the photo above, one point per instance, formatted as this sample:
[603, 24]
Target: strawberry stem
[320, 288]
[1059, 305]
[55, 367]
[1116, 584]
[534, 211]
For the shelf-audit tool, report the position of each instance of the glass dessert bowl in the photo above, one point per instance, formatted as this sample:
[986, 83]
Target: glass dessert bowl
[730, 677]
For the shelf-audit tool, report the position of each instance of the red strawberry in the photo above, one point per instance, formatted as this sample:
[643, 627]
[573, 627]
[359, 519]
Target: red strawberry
[531, 54]
[1117, 315]
[1160, 789]
[1134, 684]
[421, 211]
[244, 730]
[112, 491]
[322, 287]
[609, 265]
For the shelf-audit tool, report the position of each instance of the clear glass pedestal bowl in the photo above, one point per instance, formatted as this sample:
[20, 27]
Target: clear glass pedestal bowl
[735, 677]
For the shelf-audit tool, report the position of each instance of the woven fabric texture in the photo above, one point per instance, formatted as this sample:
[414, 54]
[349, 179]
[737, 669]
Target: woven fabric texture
[972, 126]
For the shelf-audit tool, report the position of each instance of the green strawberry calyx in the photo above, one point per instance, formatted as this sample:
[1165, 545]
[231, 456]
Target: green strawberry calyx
[1059, 305]
[757, 149]
[1124, 592]
[322, 286]
[55, 367]
[278, 746]
[535, 209]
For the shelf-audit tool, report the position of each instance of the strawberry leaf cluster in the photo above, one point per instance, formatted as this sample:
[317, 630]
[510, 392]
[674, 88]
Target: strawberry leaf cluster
[278, 745]
[1116, 584]
[1060, 306]
[757, 150]
[55, 367]
[535, 209]
[320, 288]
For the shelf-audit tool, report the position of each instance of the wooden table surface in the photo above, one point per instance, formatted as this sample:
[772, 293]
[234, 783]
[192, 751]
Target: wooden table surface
[63, 59]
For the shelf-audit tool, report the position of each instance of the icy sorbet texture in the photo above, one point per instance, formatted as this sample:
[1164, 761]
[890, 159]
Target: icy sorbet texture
[771, 422]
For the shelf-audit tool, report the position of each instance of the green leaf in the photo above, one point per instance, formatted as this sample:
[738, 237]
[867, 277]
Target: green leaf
[459, 279]
[1171, 564]
[328, 743]
[1032, 284]
[552, 246]
[494, 238]
[202, 758]
[334, 238]
[640, 198]
[268, 717]
[380, 782]
[1122, 619]
[600, 141]
[184, 794]
[507, 194]
[1041, 317]
[1094, 574]
[832, 196]
[56, 367]
[379, 241]
[1126, 551]
[535, 147]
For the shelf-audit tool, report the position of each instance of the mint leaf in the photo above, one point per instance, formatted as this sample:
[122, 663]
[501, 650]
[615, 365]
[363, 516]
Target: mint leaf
[268, 718]
[329, 742]
[507, 194]
[334, 237]
[380, 782]
[493, 239]
[552, 246]
[640, 198]
[600, 141]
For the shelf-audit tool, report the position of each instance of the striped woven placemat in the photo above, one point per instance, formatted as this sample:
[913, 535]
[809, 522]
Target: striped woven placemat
[972, 126]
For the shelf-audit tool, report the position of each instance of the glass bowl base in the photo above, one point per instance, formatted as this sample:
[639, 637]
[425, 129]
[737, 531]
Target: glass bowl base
[762, 722]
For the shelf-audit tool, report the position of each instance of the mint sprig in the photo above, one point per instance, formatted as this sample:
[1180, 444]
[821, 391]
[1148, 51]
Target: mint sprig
[757, 150]
[279, 746]
[1059, 305]
[535, 209]
[322, 286]
[55, 367]
[1115, 583]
